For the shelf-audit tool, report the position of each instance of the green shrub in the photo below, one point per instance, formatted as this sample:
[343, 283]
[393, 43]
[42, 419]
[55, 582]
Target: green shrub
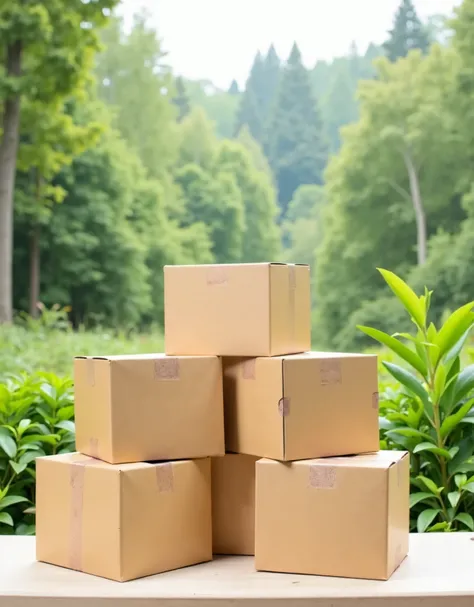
[49, 343]
[429, 411]
[36, 413]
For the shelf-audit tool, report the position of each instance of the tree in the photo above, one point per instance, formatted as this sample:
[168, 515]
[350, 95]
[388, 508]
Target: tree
[261, 239]
[371, 217]
[216, 201]
[340, 105]
[46, 52]
[302, 228]
[408, 33]
[250, 109]
[259, 160]
[295, 143]
[51, 137]
[234, 88]
[181, 99]
[197, 139]
[134, 79]
[268, 85]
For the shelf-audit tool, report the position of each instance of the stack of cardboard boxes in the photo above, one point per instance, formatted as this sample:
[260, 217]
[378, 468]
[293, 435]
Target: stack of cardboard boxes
[298, 480]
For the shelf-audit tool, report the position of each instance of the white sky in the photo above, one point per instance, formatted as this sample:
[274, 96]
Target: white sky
[218, 39]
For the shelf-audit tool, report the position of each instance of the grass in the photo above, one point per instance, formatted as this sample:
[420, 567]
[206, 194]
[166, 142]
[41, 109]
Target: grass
[34, 347]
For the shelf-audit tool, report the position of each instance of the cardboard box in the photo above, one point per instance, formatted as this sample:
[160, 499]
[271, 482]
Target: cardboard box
[237, 309]
[301, 406]
[125, 521]
[345, 517]
[149, 407]
[233, 504]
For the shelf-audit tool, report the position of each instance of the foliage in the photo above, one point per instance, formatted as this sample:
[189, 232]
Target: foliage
[370, 217]
[36, 419]
[294, 144]
[432, 413]
[49, 343]
[408, 33]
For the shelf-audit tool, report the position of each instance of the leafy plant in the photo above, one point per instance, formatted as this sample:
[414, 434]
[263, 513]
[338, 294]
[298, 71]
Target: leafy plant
[430, 412]
[36, 415]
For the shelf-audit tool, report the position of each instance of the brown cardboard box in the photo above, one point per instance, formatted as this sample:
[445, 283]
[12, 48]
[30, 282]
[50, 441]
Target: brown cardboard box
[237, 309]
[345, 516]
[149, 407]
[122, 522]
[301, 406]
[233, 504]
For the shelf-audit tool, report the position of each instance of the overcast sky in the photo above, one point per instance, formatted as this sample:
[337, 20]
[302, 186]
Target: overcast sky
[217, 39]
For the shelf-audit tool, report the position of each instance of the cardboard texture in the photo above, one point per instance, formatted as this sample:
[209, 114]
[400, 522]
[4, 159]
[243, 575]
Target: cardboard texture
[233, 504]
[345, 517]
[148, 407]
[237, 309]
[301, 406]
[122, 522]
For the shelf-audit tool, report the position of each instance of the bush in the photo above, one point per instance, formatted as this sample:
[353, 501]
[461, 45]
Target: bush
[49, 343]
[36, 413]
[429, 411]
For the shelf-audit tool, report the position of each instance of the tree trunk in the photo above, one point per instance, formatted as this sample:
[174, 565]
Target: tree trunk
[420, 215]
[34, 270]
[8, 158]
[35, 255]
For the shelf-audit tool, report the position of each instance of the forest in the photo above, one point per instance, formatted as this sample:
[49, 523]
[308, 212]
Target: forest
[112, 165]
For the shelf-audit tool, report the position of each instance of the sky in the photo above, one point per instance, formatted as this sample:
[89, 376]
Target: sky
[217, 39]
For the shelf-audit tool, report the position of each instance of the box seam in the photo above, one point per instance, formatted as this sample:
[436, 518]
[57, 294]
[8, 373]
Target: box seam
[387, 513]
[120, 528]
[270, 345]
[112, 450]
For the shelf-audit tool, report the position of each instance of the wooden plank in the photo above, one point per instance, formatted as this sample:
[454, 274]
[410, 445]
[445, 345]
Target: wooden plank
[439, 572]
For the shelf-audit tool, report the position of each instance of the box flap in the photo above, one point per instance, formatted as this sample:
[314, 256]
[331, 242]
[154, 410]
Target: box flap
[380, 459]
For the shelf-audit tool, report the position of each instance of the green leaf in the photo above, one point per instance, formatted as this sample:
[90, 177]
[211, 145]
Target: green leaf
[454, 498]
[430, 485]
[396, 346]
[23, 529]
[406, 295]
[6, 519]
[450, 423]
[464, 383]
[426, 518]
[29, 456]
[23, 425]
[466, 519]
[8, 445]
[433, 449]
[456, 349]
[440, 382]
[453, 451]
[66, 425]
[410, 432]
[444, 526]
[19, 468]
[416, 498]
[51, 439]
[66, 412]
[454, 328]
[467, 420]
[460, 480]
[10, 500]
[409, 381]
[468, 487]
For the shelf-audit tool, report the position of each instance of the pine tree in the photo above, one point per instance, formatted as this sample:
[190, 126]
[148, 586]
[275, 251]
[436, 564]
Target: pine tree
[295, 143]
[181, 99]
[408, 33]
[234, 88]
[250, 106]
[269, 83]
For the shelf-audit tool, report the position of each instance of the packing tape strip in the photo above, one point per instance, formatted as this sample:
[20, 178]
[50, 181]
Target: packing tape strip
[249, 368]
[375, 400]
[165, 477]
[76, 481]
[216, 276]
[322, 477]
[167, 369]
[284, 406]
[330, 371]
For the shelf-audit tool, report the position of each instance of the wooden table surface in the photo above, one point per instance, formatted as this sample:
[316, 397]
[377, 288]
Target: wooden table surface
[439, 572]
